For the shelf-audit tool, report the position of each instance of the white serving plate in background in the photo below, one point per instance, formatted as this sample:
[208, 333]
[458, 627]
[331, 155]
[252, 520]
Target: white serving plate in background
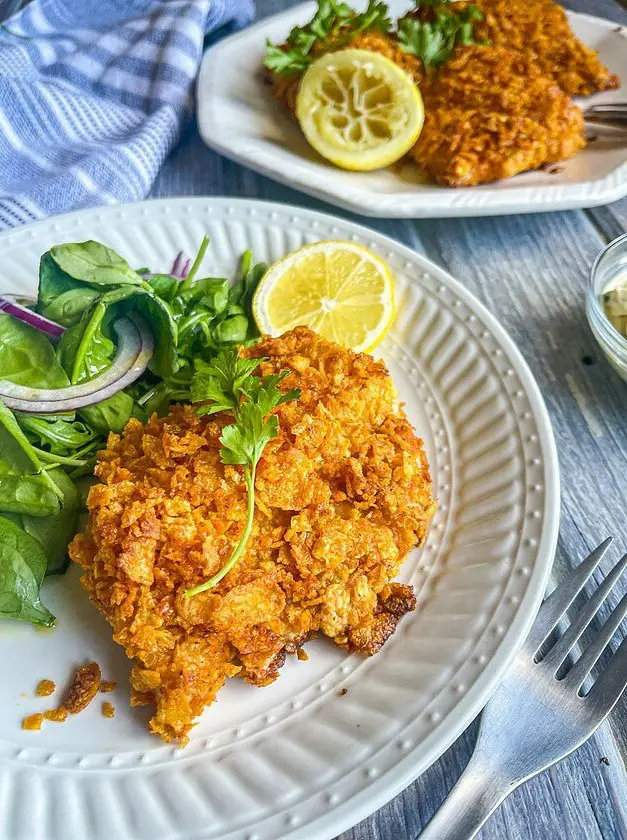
[297, 759]
[239, 117]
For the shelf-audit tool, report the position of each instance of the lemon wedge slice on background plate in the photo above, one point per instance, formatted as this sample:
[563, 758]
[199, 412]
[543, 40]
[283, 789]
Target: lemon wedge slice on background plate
[340, 289]
[359, 110]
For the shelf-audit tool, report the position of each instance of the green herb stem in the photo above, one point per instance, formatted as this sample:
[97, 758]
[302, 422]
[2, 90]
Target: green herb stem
[189, 280]
[249, 475]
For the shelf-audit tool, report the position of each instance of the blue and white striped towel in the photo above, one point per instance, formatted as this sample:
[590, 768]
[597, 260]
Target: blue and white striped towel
[93, 96]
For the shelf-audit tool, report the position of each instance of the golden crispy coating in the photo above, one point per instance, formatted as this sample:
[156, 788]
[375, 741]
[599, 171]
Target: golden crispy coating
[489, 114]
[342, 494]
[540, 29]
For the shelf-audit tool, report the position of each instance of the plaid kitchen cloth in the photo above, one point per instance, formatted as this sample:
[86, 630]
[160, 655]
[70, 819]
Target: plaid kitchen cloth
[93, 96]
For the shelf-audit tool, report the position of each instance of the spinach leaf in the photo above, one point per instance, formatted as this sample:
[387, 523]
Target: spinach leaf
[68, 308]
[159, 319]
[110, 415]
[210, 292]
[84, 350]
[55, 532]
[232, 330]
[164, 286]
[27, 357]
[22, 569]
[24, 486]
[94, 263]
[52, 282]
[63, 437]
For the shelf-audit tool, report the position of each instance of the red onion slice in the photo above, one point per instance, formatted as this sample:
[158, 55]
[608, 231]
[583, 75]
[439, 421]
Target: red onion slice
[53, 330]
[135, 349]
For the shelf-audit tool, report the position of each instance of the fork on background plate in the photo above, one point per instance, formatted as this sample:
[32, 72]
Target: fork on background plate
[610, 113]
[540, 712]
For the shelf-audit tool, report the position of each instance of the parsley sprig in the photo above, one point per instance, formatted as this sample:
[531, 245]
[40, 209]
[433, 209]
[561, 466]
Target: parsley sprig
[434, 40]
[334, 22]
[228, 383]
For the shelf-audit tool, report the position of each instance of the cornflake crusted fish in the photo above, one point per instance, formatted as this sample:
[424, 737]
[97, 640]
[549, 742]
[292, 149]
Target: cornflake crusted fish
[342, 493]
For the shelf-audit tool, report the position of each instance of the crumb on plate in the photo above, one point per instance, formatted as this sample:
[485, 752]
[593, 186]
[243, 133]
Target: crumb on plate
[45, 688]
[108, 685]
[57, 715]
[33, 722]
[302, 655]
[108, 710]
[83, 688]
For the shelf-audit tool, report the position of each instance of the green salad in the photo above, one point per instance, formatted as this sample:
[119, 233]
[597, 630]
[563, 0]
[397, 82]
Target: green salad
[67, 337]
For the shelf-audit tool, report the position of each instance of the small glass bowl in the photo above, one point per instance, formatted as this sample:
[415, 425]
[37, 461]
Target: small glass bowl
[611, 262]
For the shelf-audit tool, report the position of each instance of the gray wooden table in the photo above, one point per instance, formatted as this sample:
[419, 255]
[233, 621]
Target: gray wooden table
[530, 271]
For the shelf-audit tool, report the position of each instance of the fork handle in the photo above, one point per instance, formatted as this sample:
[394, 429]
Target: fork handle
[478, 792]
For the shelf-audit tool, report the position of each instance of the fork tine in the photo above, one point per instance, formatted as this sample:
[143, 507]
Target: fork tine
[562, 597]
[560, 650]
[607, 689]
[576, 676]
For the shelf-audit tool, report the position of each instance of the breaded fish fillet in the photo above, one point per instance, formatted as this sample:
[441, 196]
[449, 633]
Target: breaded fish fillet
[342, 494]
[540, 29]
[489, 114]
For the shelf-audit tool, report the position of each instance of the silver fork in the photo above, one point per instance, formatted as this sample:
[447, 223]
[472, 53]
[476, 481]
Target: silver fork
[540, 714]
[611, 113]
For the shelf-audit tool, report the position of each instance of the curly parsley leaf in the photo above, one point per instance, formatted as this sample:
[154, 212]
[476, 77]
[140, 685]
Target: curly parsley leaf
[220, 382]
[227, 383]
[434, 40]
[334, 23]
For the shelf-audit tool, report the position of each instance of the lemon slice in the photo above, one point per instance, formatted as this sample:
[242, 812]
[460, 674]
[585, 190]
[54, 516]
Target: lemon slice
[359, 110]
[340, 289]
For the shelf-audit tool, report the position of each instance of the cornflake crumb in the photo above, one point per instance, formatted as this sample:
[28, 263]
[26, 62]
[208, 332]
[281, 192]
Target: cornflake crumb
[83, 688]
[45, 688]
[108, 685]
[343, 692]
[302, 655]
[33, 722]
[57, 715]
[108, 710]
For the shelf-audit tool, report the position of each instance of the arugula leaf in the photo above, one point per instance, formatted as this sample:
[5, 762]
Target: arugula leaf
[63, 437]
[25, 487]
[27, 357]
[22, 569]
[434, 40]
[334, 24]
[230, 384]
[94, 263]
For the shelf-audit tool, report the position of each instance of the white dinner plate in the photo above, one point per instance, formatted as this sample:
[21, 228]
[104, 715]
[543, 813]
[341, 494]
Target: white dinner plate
[300, 758]
[239, 117]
